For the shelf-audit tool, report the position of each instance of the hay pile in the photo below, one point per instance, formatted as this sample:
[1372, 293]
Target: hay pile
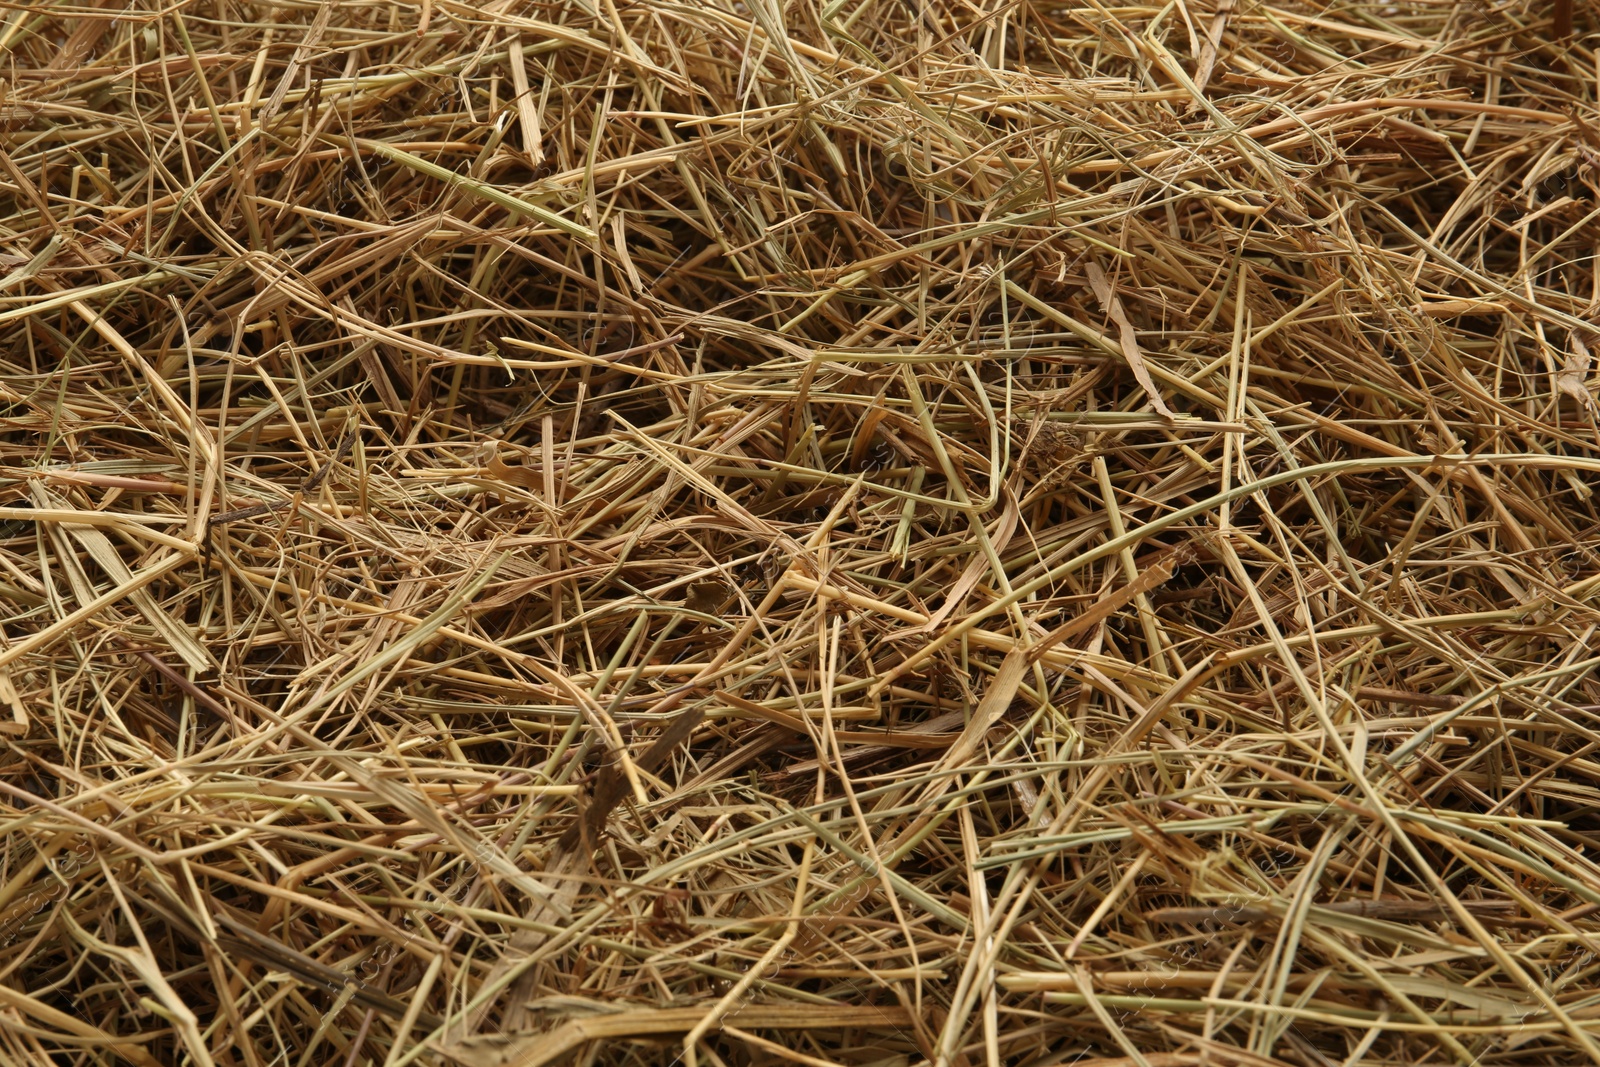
[861, 533]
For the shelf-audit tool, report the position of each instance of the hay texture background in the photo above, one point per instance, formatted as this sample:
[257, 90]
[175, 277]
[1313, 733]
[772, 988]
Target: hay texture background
[877, 532]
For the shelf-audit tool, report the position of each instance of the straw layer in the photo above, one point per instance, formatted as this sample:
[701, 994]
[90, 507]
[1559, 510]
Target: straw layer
[856, 533]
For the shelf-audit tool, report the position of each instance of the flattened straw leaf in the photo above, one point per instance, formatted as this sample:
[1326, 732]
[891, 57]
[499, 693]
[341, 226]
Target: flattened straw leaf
[1130, 343]
[482, 190]
[1573, 378]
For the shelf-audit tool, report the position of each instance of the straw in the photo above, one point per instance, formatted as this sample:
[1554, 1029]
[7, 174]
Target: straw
[832, 533]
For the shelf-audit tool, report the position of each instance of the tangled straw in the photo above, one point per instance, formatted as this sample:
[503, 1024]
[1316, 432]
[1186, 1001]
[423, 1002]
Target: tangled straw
[838, 533]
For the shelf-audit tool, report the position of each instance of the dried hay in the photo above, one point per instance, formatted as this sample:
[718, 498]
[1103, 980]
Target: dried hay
[851, 533]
